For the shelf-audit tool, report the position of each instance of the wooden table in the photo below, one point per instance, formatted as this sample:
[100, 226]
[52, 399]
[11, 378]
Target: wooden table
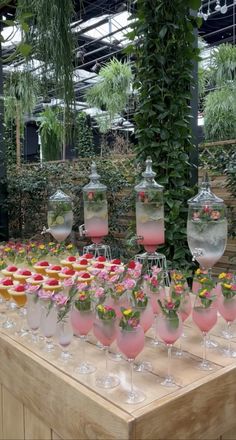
[42, 400]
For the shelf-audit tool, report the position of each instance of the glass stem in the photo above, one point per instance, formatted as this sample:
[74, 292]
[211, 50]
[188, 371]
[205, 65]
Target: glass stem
[156, 317]
[83, 339]
[229, 336]
[204, 334]
[169, 361]
[131, 362]
[106, 356]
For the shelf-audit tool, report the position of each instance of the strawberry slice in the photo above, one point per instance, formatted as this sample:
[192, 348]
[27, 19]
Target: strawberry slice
[70, 272]
[116, 261]
[71, 258]
[7, 282]
[26, 273]
[11, 268]
[85, 276]
[43, 264]
[99, 266]
[132, 265]
[101, 259]
[84, 262]
[52, 282]
[38, 277]
[113, 268]
[20, 288]
[88, 256]
[55, 268]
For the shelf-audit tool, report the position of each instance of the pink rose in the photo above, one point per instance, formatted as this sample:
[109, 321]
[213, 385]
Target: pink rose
[99, 292]
[129, 284]
[60, 299]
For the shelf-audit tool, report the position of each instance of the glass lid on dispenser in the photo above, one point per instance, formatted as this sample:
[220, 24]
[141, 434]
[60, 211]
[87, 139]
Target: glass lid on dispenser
[60, 196]
[148, 182]
[205, 196]
[94, 184]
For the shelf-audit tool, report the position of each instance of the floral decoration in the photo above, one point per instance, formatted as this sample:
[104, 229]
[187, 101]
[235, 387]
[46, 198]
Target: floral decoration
[130, 319]
[105, 313]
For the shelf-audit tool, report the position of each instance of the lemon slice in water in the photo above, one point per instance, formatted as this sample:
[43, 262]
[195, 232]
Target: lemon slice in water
[59, 220]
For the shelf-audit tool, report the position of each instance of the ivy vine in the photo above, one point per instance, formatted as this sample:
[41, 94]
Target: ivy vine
[163, 46]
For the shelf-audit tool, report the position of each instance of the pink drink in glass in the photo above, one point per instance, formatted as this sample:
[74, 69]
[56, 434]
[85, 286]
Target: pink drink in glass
[169, 329]
[96, 221]
[116, 304]
[185, 307]
[131, 342]
[150, 225]
[227, 308]
[82, 321]
[205, 318]
[146, 317]
[154, 296]
[105, 331]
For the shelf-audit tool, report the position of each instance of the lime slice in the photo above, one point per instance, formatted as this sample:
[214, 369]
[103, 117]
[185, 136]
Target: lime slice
[59, 220]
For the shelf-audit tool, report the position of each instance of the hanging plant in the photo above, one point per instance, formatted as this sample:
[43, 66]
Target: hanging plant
[50, 37]
[111, 93]
[163, 37]
[20, 96]
[51, 132]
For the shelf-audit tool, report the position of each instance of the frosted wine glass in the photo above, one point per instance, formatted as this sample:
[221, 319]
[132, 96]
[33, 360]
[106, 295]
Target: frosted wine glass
[169, 329]
[131, 343]
[106, 331]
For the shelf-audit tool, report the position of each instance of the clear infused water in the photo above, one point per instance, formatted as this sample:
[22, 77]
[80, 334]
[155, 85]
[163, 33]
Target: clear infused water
[209, 239]
[60, 226]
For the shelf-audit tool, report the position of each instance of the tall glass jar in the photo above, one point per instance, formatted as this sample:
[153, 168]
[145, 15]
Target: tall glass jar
[207, 226]
[149, 210]
[95, 207]
[60, 215]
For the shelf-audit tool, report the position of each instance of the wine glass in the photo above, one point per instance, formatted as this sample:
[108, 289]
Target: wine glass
[105, 330]
[33, 316]
[227, 309]
[131, 343]
[65, 335]
[82, 322]
[205, 317]
[184, 312]
[169, 328]
[146, 321]
[5, 285]
[48, 323]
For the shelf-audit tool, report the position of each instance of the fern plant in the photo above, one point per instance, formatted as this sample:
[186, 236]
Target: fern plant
[220, 114]
[51, 132]
[111, 92]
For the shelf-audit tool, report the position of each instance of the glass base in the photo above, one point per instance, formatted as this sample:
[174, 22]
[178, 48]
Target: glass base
[135, 397]
[205, 366]
[22, 332]
[155, 343]
[211, 344]
[107, 381]
[85, 368]
[99, 346]
[229, 353]
[12, 305]
[178, 353]
[143, 366]
[115, 357]
[49, 347]
[169, 382]
[8, 324]
[65, 355]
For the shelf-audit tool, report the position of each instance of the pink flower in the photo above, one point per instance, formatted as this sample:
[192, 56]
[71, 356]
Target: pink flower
[156, 270]
[114, 279]
[60, 299]
[179, 289]
[99, 292]
[45, 294]
[215, 215]
[196, 216]
[170, 305]
[129, 284]
[103, 275]
[133, 322]
[68, 282]
[82, 286]
[32, 288]
[234, 287]
[154, 282]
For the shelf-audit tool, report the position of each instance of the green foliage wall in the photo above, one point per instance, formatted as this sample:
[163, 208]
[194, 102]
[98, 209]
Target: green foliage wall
[84, 142]
[163, 44]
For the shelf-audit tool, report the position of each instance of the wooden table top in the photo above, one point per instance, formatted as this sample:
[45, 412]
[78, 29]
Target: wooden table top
[202, 406]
